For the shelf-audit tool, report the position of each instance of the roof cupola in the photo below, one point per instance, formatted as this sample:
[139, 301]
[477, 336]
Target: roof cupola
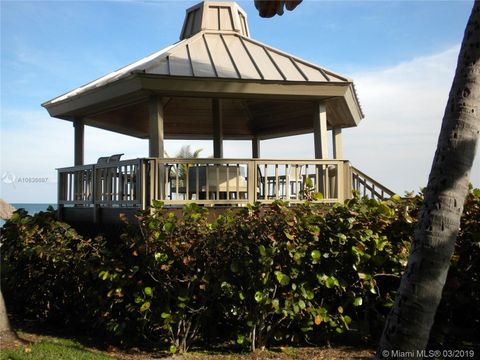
[221, 16]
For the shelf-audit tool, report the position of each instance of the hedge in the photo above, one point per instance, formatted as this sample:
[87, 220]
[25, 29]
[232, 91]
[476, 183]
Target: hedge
[258, 277]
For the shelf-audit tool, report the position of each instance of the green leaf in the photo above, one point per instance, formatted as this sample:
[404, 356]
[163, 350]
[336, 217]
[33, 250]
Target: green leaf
[173, 349]
[168, 227]
[396, 198]
[145, 306]
[148, 291]
[331, 281]
[262, 250]
[157, 204]
[342, 238]
[364, 276]
[241, 296]
[282, 278]
[288, 235]
[161, 257]
[258, 296]
[276, 304]
[165, 315]
[358, 301]
[302, 304]
[240, 339]
[316, 255]
[308, 182]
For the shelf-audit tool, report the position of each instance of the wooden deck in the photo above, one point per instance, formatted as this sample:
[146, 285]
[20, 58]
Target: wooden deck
[100, 192]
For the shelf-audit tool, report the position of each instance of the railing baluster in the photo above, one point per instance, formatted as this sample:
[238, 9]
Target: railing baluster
[228, 182]
[237, 182]
[70, 193]
[217, 168]
[287, 181]
[207, 190]
[177, 195]
[327, 183]
[133, 183]
[197, 180]
[296, 181]
[187, 181]
[277, 185]
[265, 182]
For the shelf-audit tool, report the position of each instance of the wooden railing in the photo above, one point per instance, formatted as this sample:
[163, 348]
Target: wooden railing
[241, 181]
[123, 183]
[236, 182]
[290, 179]
[206, 181]
[367, 186]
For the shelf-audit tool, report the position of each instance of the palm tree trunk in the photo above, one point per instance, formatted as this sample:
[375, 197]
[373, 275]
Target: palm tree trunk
[407, 328]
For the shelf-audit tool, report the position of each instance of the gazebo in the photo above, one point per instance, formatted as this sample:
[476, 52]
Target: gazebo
[215, 83]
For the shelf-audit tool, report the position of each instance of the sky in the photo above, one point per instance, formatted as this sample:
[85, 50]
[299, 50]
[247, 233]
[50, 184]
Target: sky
[401, 55]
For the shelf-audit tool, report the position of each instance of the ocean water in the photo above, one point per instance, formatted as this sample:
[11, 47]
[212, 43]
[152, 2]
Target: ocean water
[31, 208]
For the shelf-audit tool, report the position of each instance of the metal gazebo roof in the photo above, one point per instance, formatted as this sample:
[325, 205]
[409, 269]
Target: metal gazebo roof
[265, 92]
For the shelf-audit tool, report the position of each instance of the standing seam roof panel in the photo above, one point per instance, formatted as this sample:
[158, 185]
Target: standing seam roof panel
[240, 57]
[159, 68]
[311, 73]
[289, 70]
[220, 57]
[263, 62]
[180, 64]
[202, 66]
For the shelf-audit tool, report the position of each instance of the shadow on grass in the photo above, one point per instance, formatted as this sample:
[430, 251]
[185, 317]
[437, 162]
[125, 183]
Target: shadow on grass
[79, 344]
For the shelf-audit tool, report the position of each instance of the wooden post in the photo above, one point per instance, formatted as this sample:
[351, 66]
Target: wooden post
[79, 129]
[320, 131]
[321, 146]
[155, 144]
[337, 143]
[156, 141]
[256, 148]
[217, 128]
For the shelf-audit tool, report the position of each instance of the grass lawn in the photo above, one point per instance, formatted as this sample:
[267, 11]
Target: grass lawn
[50, 349]
[41, 347]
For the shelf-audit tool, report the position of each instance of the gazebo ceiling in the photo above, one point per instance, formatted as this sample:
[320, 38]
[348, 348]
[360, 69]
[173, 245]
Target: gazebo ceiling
[266, 92]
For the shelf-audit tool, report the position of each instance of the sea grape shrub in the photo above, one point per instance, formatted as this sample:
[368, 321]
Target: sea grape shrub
[311, 272]
[173, 276]
[46, 268]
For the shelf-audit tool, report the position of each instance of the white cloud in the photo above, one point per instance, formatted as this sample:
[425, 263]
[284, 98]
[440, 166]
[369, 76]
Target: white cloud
[404, 106]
